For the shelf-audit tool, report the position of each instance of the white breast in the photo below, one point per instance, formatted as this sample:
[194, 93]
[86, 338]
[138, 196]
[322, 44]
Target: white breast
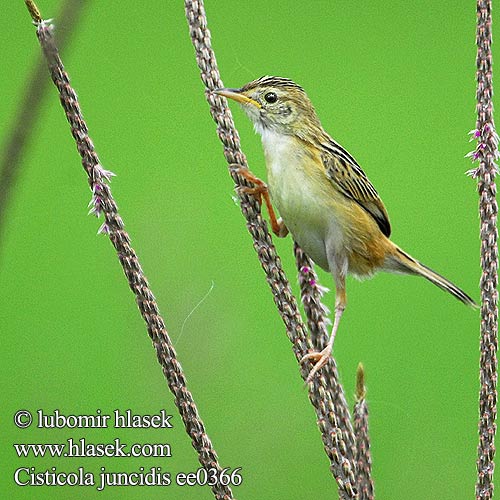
[300, 201]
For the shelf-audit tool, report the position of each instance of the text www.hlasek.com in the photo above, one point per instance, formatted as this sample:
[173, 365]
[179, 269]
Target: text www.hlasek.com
[80, 448]
[105, 478]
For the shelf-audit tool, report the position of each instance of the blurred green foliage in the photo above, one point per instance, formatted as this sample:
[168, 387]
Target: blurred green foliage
[393, 82]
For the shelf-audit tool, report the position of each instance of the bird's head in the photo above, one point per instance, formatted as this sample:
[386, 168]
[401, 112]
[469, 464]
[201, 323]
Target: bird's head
[276, 104]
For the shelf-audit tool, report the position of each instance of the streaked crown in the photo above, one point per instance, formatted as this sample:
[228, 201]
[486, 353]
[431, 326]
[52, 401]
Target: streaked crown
[279, 104]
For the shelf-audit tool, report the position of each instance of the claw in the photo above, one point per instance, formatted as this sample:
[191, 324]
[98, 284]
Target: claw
[254, 191]
[321, 359]
[260, 191]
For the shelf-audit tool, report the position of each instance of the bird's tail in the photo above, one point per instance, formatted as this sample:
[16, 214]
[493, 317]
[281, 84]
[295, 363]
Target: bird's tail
[399, 261]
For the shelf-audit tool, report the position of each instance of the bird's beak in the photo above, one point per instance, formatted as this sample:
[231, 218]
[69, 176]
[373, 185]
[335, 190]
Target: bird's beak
[237, 96]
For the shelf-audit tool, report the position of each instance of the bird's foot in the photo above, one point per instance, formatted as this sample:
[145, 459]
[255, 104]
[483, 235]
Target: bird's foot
[321, 359]
[259, 187]
[260, 191]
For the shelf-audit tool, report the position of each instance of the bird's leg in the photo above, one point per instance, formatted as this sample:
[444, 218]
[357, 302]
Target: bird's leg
[322, 357]
[260, 190]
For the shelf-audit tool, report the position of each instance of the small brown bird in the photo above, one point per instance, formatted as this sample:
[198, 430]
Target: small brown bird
[323, 196]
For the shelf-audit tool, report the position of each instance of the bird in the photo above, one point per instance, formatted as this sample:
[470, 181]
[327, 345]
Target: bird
[324, 198]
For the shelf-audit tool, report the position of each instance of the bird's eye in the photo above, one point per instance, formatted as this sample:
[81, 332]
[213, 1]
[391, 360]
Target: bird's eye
[271, 97]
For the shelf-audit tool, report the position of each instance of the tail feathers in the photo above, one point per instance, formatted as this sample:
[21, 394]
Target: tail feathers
[402, 262]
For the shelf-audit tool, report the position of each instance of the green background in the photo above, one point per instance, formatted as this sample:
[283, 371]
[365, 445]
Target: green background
[393, 82]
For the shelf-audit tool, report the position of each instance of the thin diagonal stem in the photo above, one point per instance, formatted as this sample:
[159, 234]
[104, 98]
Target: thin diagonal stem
[334, 436]
[363, 456]
[28, 112]
[316, 313]
[103, 202]
[487, 153]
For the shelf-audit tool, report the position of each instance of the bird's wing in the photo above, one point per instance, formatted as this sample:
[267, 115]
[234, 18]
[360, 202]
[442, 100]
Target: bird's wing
[348, 177]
